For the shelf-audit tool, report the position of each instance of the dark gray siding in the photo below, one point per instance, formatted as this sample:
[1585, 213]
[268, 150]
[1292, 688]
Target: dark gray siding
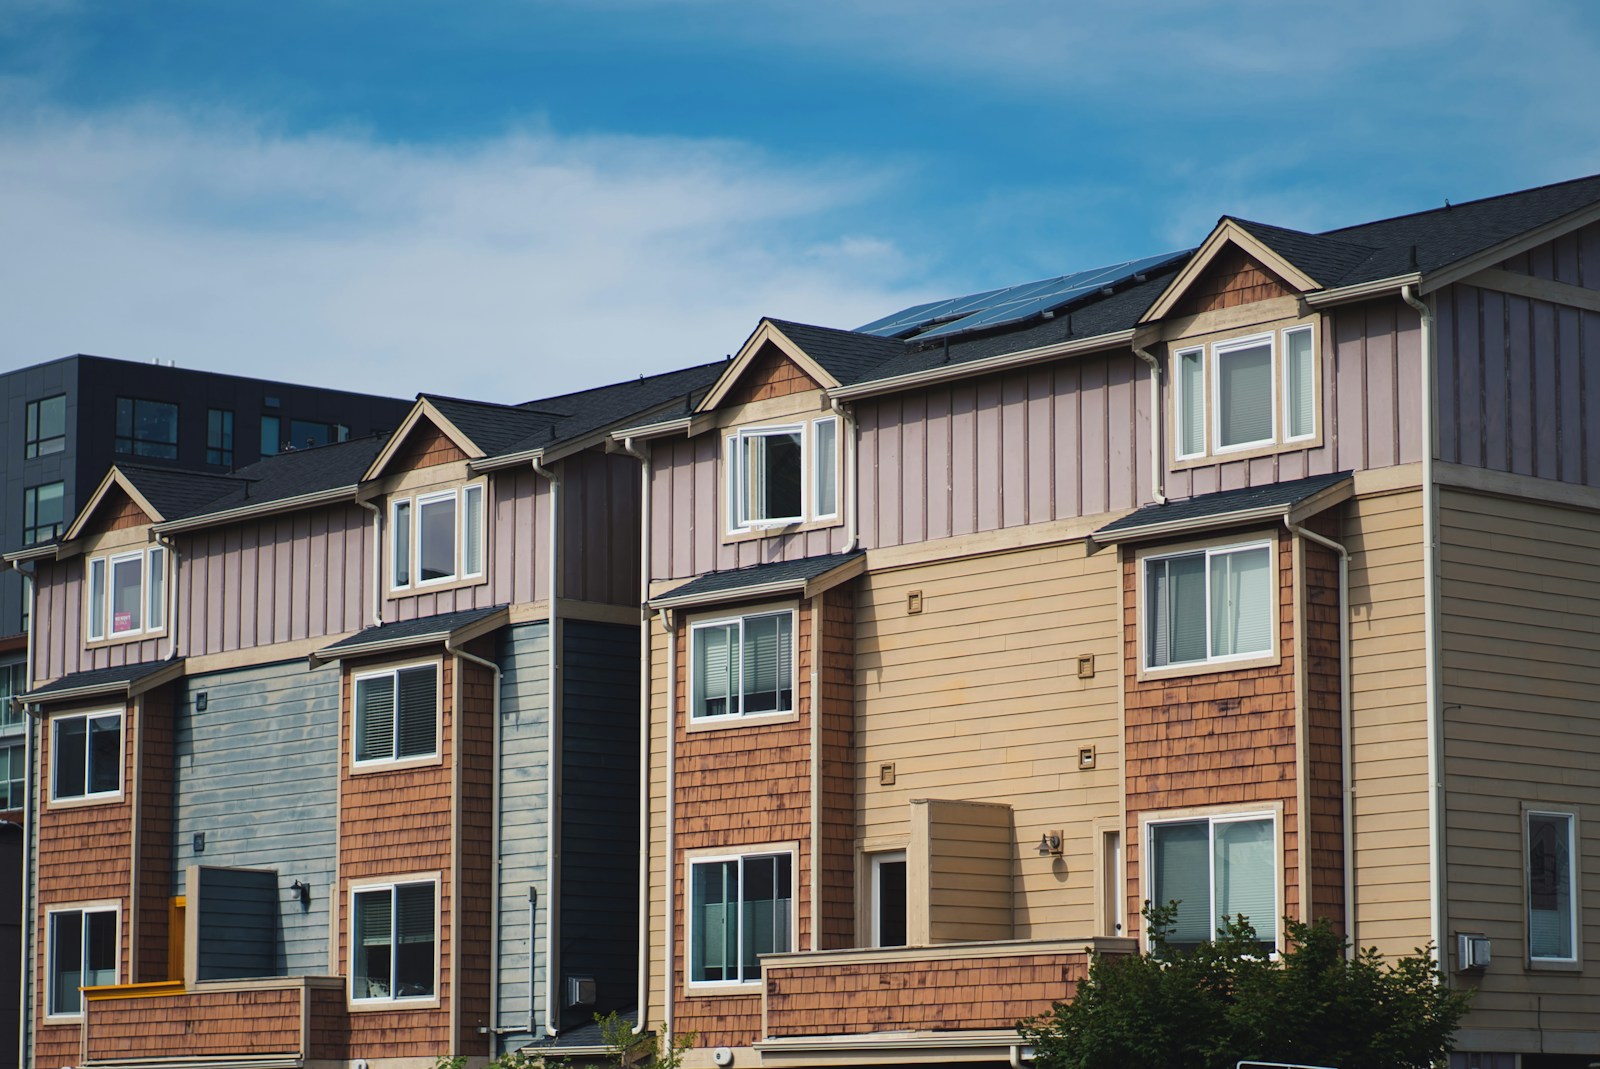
[600, 812]
[258, 774]
[524, 737]
[238, 932]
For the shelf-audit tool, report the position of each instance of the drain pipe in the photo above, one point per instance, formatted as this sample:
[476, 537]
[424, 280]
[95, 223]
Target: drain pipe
[172, 593]
[668, 934]
[552, 909]
[1348, 795]
[642, 996]
[848, 419]
[377, 559]
[1430, 613]
[25, 971]
[495, 1031]
[1157, 483]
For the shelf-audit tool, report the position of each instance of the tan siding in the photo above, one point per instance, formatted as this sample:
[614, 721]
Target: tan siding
[1520, 653]
[964, 855]
[771, 374]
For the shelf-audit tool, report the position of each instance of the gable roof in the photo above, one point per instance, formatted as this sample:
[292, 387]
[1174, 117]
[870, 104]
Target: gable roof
[1296, 499]
[803, 577]
[123, 681]
[463, 626]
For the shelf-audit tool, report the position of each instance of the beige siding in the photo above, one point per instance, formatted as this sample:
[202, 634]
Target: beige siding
[1521, 660]
[962, 863]
[1389, 721]
[977, 698]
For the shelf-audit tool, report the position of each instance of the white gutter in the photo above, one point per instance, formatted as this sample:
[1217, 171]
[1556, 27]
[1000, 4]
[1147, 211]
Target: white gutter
[495, 1030]
[552, 909]
[978, 367]
[1157, 483]
[1362, 290]
[847, 417]
[266, 508]
[668, 934]
[377, 559]
[24, 971]
[1430, 614]
[1347, 805]
[642, 995]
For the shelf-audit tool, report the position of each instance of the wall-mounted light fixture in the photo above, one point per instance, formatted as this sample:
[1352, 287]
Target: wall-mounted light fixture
[1050, 844]
[302, 890]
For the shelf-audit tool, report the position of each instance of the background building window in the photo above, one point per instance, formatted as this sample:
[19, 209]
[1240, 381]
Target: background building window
[13, 774]
[1215, 869]
[741, 908]
[393, 955]
[46, 427]
[271, 435]
[397, 714]
[43, 512]
[305, 433]
[88, 755]
[219, 437]
[83, 953]
[13, 681]
[744, 667]
[1552, 928]
[147, 428]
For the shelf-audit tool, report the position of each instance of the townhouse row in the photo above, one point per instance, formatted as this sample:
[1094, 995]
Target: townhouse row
[834, 703]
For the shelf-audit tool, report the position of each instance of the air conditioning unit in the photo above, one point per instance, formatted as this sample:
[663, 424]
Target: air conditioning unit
[1472, 951]
[580, 991]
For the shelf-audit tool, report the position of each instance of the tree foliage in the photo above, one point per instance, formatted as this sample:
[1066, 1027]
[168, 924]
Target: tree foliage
[1212, 1005]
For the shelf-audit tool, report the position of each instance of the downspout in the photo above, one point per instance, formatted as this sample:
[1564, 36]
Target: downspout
[377, 559]
[816, 770]
[668, 934]
[552, 909]
[642, 996]
[25, 972]
[495, 1031]
[853, 527]
[1157, 483]
[1430, 616]
[172, 594]
[1347, 806]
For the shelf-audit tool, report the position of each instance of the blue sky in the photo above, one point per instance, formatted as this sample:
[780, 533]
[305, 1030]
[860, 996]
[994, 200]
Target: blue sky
[507, 199]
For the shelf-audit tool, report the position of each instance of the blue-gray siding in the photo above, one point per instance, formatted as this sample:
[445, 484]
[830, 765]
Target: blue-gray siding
[524, 727]
[600, 812]
[258, 773]
[239, 931]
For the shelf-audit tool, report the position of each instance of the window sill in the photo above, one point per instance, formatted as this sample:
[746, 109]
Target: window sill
[122, 640]
[1205, 668]
[752, 534]
[712, 723]
[390, 1005]
[723, 989]
[1248, 452]
[109, 798]
[404, 764]
[439, 586]
[1555, 966]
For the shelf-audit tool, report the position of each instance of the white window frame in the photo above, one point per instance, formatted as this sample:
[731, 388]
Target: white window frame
[153, 563]
[1181, 403]
[1286, 402]
[1218, 351]
[1574, 866]
[414, 504]
[84, 909]
[736, 453]
[87, 716]
[1212, 819]
[392, 672]
[753, 853]
[815, 471]
[391, 884]
[740, 716]
[1145, 593]
[875, 863]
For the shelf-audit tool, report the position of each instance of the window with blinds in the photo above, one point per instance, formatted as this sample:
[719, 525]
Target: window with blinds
[1299, 385]
[1245, 393]
[1216, 868]
[1209, 605]
[393, 942]
[740, 908]
[743, 666]
[1551, 888]
[397, 714]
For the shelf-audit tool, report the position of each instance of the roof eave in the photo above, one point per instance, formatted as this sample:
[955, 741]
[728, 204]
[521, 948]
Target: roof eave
[973, 368]
[265, 508]
[465, 633]
[1361, 291]
[1518, 243]
[1293, 513]
[803, 588]
[123, 688]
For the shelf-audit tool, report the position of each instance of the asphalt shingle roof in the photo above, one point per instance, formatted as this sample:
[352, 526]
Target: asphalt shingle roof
[101, 678]
[1224, 503]
[420, 629]
[175, 492]
[798, 572]
[294, 473]
[577, 415]
[846, 355]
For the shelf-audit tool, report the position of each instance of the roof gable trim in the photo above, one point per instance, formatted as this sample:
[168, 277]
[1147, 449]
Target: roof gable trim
[767, 332]
[114, 480]
[422, 410]
[1226, 233]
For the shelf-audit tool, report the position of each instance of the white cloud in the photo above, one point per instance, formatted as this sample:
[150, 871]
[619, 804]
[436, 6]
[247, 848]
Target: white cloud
[522, 266]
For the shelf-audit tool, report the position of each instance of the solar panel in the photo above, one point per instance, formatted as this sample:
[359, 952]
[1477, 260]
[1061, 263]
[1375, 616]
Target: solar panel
[920, 315]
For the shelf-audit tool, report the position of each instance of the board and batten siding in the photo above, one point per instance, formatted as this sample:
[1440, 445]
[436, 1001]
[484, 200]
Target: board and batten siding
[977, 698]
[1388, 710]
[257, 773]
[524, 796]
[58, 640]
[1519, 377]
[1520, 655]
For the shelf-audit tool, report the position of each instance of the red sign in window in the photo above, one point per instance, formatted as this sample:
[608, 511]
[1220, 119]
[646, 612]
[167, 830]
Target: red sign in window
[122, 621]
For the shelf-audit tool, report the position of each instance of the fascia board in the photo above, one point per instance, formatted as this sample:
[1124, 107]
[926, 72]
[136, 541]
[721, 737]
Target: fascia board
[973, 368]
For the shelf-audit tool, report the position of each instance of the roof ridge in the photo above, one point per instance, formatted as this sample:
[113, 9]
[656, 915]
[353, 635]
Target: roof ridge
[1321, 236]
[623, 382]
[1448, 206]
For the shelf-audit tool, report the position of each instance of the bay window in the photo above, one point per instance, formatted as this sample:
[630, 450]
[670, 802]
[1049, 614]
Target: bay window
[740, 908]
[1209, 605]
[742, 666]
[1216, 868]
[393, 942]
[83, 953]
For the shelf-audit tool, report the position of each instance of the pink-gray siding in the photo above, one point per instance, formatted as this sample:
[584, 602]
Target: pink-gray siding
[1520, 378]
[58, 627]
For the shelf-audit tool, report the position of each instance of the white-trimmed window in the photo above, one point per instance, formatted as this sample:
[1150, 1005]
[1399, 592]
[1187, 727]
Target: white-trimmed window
[1246, 393]
[743, 666]
[127, 594]
[1552, 886]
[782, 474]
[1209, 605]
[437, 537]
[394, 942]
[83, 952]
[397, 714]
[888, 876]
[1216, 868]
[740, 907]
[86, 755]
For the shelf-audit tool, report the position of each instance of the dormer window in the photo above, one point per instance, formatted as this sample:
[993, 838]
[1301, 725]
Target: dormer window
[126, 595]
[437, 537]
[783, 474]
[1246, 394]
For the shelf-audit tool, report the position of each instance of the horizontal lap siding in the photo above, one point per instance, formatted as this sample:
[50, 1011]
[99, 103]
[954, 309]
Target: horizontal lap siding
[524, 794]
[1520, 378]
[977, 697]
[919, 996]
[1063, 440]
[1521, 672]
[222, 1024]
[267, 733]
